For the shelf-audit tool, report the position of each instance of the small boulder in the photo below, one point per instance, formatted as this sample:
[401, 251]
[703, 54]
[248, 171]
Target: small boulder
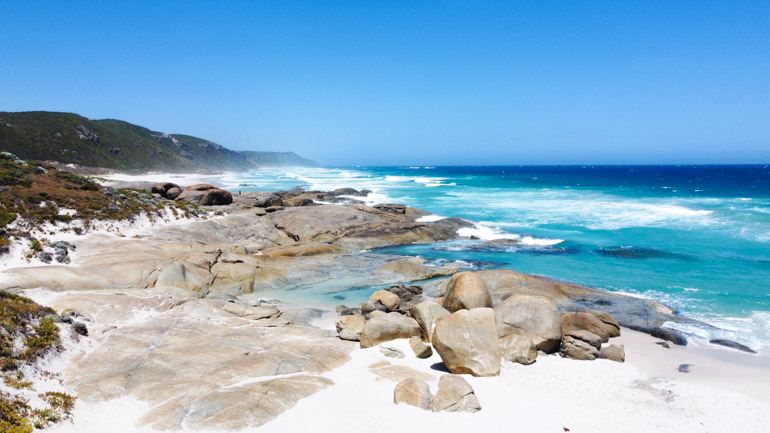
[421, 350]
[427, 314]
[589, 337]
[571, 322]
[265, 200]
[518, 347]
[613, 325]
[577, 349]
[466, 290]
[467, 342]
[613, 352]
[173, 193]
[455, 394]
[386, 299]
[535, 315]
[413, 392]
[350, 327]
[381, 327]
[216, 197]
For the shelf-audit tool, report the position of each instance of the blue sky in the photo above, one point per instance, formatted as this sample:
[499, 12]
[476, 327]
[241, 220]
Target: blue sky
[387, 82]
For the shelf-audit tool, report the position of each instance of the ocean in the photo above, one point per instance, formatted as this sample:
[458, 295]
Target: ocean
[694, 237]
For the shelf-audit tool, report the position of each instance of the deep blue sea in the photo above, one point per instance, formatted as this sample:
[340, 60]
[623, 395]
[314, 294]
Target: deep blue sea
[696, 238]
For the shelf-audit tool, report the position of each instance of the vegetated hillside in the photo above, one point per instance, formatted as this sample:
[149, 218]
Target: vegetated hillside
[115, 144]
[33, 194]
[278, 159]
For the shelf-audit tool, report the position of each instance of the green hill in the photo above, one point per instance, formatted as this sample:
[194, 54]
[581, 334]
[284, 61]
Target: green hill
[115, 144]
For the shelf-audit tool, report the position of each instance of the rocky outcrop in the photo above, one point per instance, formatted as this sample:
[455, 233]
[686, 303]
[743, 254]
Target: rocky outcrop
[412, 269]
[420, 349]
[350, 327]
[413, 392]
[467, 342]
[455, 394]
[426, 314]
[466, 290]
[381, 327]
[571, 322]
[193, 364]
[533, 314]
[206, 195]
[518, 347]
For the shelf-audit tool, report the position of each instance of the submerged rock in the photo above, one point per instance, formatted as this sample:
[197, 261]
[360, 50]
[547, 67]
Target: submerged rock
[732, 344]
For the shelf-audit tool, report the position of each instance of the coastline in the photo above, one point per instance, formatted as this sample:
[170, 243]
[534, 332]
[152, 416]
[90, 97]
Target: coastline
[647, 385]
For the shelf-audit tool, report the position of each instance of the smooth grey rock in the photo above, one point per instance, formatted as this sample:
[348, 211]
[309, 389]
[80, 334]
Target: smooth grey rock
[391, 352]
[613, 352]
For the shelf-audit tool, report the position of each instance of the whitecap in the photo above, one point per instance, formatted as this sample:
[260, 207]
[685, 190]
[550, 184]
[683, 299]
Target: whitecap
[429, 218]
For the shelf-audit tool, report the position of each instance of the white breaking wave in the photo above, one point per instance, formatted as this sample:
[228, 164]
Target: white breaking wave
[489, 232]
[429, 218]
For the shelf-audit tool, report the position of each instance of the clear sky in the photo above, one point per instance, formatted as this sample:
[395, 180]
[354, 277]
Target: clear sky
[389, 83]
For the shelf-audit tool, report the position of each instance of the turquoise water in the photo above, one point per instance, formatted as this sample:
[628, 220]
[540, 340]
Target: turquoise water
[696, 238]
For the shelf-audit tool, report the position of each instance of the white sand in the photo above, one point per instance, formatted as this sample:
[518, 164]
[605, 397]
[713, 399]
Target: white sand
[644, 394]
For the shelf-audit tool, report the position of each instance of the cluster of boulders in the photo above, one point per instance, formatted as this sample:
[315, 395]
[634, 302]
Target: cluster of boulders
[202, 193]
[474, 335]
[454, 394]
[275, 201]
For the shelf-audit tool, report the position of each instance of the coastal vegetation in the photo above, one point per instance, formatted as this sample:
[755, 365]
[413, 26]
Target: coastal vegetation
[28, 332]
[35, 195]
[114, 144]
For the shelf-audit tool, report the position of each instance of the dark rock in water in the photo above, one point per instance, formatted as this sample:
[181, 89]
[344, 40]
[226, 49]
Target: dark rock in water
[80, 328]
[664, 334]
[640, 253]
[684, 368]
[350, 191]
[732, 345]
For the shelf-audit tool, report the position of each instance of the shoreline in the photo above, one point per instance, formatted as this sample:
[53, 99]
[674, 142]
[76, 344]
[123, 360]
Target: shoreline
[599, 395]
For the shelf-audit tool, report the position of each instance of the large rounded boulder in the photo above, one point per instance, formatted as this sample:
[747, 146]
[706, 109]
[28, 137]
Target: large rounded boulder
[467, 342]
[465, 291]
[381, 327]
[538, 316]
